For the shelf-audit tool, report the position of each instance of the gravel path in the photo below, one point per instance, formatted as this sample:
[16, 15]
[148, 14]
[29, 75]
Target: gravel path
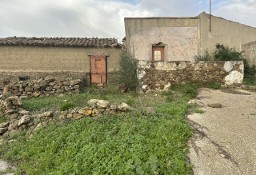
[225, 138]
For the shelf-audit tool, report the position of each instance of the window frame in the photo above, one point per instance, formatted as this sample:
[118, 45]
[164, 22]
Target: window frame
[159, 47]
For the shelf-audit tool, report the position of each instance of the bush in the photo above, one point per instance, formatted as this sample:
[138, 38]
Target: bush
[224, 53]
[205, 57]
[127, 75]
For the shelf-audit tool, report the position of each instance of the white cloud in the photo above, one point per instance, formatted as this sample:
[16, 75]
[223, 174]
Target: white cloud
[243, 11]
[104, 18]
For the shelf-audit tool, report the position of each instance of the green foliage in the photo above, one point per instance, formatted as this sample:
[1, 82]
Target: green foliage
[127, 74]
[66, 106]
[249, 73]
[213, 85]
[2, 118]
[54, 102]
[224, 53]
[133, 143]
[205, 57]
[129, 144]
[69, 101]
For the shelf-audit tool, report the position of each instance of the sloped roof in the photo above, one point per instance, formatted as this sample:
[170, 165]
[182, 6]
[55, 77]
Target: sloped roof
[60, 42]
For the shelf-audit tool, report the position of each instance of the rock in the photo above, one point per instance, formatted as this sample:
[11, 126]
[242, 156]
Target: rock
[29, 89]
[11, 111]
[124, 107]
[77, 116]
[215, 105]
[4, 124]
[48, 114]
[38, 126]
[69, 116]
[3, 166]
[24, 120]
[36, 94]
[12, 102]
[86, 111]
[13, 132]
[13, 117]
[75, 82]
[113, 107]
[92, 103]
[196, 102]
[13, 125]
[23, 112]
[3, 130]
[102, 104]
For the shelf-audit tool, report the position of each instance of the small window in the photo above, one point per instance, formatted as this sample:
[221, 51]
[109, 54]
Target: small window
[158, 53]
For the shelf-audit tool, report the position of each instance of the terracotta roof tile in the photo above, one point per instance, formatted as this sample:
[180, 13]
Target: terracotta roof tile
[60, 42]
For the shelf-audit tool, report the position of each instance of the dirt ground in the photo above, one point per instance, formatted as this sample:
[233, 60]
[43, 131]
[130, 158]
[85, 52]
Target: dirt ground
[225, 133]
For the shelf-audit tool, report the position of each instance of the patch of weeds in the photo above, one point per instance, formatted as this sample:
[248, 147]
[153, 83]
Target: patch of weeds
[66, 106]
[194, 108]
[213, 85]
[182, 92]
[124, 144]
[2, 119]
[36, 104]
[206, 56]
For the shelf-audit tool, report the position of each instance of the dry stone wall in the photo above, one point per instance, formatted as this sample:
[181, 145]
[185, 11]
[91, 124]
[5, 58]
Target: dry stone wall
[41, 87]
[161, 75]
[18, 119]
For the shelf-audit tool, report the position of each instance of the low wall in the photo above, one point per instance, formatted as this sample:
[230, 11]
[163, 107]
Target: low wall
[161, 75]
[41, 87]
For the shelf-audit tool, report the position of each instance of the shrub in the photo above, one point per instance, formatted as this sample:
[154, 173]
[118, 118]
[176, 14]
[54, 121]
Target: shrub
[224, 53]
[127, 75]
[205, 57]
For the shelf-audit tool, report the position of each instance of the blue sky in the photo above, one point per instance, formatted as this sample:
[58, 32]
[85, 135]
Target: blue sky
[104, 18]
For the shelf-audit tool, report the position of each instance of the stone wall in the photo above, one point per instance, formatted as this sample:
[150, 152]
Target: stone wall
[161, 75]
[49, 85]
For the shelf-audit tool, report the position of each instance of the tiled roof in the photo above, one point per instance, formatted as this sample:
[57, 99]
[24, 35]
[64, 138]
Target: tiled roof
[60, 42]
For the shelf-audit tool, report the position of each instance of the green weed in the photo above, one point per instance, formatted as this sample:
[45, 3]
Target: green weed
[129, 144]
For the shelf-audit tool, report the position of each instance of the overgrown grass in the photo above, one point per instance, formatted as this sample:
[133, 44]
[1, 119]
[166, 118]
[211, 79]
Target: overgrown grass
[2, 118]
[133, 143]
[70, 101]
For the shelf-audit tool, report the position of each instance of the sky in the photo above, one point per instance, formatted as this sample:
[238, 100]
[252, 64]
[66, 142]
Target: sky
[105, 18]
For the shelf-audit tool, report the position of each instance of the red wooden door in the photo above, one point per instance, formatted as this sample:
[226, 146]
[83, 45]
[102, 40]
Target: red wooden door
[98, 69]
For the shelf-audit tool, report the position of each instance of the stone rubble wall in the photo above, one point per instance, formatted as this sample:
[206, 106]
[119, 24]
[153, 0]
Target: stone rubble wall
[161, 75]
[46, 86]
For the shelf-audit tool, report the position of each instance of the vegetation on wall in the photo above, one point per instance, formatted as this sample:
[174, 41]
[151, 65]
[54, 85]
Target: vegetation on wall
[206, 56]
[127, 74]
[224, 53]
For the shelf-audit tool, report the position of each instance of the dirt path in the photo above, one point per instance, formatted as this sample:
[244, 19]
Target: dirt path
[225, 141]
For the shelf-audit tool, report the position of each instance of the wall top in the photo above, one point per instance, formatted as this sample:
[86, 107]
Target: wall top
[61, 42]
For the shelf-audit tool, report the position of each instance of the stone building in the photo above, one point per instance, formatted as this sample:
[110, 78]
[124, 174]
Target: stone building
[180, 39]
[91, 58]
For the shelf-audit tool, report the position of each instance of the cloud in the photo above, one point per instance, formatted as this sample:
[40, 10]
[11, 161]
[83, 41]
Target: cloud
[243, 11]
[104, 18]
